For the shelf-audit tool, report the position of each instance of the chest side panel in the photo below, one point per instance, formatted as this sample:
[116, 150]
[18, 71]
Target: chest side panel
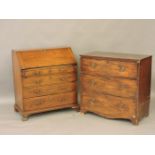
[17, 81]
[144, 86]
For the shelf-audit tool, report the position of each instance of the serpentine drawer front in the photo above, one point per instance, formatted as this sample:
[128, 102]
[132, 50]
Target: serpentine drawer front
[113, 106]
[108, 85]
[44, 79]
[116, 85]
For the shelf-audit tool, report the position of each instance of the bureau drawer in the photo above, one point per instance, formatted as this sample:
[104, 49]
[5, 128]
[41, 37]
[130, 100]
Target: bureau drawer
[49, 89]
[50, 101]
[109, 85]
[110, 106]
[37, 72]
[109, 67]
[47, 80]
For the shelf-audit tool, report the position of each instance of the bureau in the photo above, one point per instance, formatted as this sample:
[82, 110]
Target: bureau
[116, 85]
[44, 80]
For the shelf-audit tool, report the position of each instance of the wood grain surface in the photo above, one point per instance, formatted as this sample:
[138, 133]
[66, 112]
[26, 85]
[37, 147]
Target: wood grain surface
[109, 85]
[116, 85]
[44, 71]
[44, 80]
[48, 80]
[110, 106]
[49, 101]
[109, 67]
[49, 89]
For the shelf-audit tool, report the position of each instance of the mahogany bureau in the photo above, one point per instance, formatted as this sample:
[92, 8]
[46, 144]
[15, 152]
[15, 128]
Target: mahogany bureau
[44, 80]
[116, 85]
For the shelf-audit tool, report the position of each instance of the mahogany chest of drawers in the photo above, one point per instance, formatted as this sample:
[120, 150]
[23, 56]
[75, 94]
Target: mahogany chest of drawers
[116, 85]
[44, 80]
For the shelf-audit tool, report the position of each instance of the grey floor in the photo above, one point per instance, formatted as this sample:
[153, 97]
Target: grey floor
[71, 122]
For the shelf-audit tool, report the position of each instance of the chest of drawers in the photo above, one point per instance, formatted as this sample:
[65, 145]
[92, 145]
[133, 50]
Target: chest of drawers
[44, 80]
[116, 85]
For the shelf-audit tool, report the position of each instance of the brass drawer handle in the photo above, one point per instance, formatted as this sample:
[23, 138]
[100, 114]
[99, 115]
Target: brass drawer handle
[92, 101]
[39, 102]
[121, 107]
[50, 71]
[37, 73]
[61, 69]
[122, 86]
[50, 77]
[37, 92]
[93, 82]
[122, 68]
[106, 78]
[24, 74]
[93, 65]
[61, 99]
[38, 82]
[62, 78]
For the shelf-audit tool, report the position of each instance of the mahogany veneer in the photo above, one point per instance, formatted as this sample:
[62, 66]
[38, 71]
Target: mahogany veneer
[116, 85]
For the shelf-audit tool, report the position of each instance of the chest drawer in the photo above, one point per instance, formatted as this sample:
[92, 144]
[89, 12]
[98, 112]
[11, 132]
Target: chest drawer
[48, 80]
[109, 85]
[109, 67]
[49, 89]
[110, 106]
[44, 71]
[49, 101]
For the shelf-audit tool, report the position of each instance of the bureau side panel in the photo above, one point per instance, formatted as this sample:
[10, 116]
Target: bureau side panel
[144, 86]
[17, 81]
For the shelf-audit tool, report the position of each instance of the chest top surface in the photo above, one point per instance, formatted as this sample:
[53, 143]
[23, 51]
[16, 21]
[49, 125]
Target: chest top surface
[112, 55]
[44, 57]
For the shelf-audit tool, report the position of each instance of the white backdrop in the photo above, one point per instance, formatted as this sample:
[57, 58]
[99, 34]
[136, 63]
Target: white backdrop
[128, 36]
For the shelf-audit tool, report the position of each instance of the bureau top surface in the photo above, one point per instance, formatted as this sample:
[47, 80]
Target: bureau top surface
[44, 57]
[113, 55]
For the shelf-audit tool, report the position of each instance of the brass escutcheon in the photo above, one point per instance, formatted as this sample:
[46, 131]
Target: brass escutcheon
[62, 78]
[92, 101]
[122, 68]
[123, 86]
[61, 99]
[93, 82]
[38, 82]
[38, 102]
[93, 65]
[37, 92]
